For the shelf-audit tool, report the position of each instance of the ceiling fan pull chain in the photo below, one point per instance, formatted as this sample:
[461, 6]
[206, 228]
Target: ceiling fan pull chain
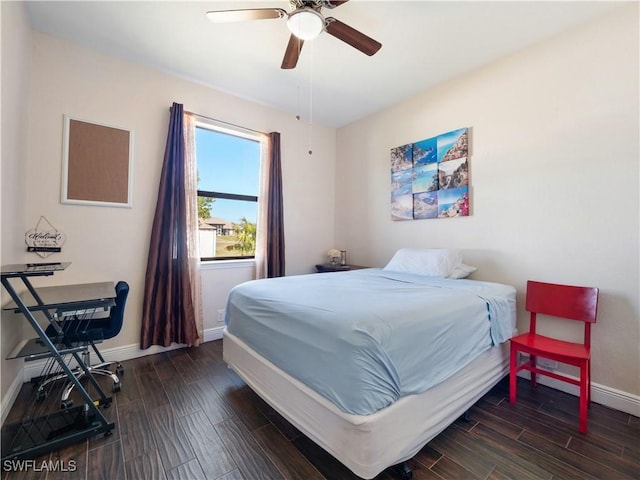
[311, 96]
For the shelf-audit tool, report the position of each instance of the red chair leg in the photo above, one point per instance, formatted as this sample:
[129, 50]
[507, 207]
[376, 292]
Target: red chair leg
[512, 373]
[583, 398]
[532, 364]
[588, 382]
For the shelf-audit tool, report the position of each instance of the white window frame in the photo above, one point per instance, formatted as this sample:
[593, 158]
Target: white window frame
[236, 131]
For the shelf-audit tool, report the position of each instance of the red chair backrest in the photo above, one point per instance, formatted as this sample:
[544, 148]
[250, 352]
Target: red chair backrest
[565, 301]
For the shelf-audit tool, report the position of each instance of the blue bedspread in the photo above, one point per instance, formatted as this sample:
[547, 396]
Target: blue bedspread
[365, 338]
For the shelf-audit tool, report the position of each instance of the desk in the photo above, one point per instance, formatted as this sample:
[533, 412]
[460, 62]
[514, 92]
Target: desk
[33, 436]
[63, 303]
[67, 300]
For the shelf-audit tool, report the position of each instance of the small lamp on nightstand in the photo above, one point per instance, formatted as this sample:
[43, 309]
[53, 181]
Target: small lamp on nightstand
[334, 256]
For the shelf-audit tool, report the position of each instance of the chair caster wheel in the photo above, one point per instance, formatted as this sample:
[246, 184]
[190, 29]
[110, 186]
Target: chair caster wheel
[119, 370]
[41, 395]
[116, 387]
[65, 404]
[108, 434]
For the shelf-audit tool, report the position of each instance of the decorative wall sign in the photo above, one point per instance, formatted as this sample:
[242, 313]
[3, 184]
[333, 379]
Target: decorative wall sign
[97, 164]
[430, 178]
[44, 239]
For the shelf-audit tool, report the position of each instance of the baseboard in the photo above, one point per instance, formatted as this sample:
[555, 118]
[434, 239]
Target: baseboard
[607, 396]
[213, 333]
[127, 352]
[10, 397]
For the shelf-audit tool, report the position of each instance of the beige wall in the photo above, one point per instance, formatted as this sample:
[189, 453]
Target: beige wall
[16, 44]
[554, 173]
[112, 243]
[554, 178]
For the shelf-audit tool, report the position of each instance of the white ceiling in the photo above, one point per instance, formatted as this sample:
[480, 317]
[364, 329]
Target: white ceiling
[423, 43]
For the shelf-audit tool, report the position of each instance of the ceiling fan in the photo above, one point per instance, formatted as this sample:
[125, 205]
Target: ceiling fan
[305, 21]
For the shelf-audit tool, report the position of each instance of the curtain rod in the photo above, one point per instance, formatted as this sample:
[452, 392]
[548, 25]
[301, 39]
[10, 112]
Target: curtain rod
[226, 123]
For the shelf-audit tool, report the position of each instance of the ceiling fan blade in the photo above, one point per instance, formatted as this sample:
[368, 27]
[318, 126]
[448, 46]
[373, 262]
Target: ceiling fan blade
[353, 37]
[292, 52]
[333, 3]
[225, 16]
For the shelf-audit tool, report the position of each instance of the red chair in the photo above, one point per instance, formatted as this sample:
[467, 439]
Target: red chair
[564, 301]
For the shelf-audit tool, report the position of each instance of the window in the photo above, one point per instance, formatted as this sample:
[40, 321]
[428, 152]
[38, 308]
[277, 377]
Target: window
[228, 182]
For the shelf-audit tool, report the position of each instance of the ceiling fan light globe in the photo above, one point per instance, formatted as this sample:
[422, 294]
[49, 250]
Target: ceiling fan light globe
[305, 23]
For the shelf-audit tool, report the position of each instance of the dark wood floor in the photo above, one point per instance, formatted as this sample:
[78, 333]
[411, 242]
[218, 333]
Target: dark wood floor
[185, 415]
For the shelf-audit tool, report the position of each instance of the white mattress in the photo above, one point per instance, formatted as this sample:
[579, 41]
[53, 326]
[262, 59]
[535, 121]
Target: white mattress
[367, 444]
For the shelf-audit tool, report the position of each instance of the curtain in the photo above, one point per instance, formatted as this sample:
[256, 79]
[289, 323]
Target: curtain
[191, 192]
[168, 310]
[270, 242]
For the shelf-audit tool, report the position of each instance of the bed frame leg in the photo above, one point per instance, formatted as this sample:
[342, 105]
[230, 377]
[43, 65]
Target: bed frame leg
[403, 471]
[467, 416]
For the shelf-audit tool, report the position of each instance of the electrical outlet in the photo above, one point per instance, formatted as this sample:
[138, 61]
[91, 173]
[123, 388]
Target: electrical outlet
[220, 316]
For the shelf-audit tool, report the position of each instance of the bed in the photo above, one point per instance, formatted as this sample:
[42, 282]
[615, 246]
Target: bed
[370, 364]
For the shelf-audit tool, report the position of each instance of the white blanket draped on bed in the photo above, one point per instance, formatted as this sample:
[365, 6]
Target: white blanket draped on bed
[365, 338]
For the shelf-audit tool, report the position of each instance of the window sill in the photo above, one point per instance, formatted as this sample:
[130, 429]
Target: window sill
[221, 264]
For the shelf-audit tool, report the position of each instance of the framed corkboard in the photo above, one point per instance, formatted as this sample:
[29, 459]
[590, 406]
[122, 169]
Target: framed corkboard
[97, 164]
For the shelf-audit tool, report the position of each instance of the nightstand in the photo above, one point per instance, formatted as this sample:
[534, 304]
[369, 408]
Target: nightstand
[327, 267]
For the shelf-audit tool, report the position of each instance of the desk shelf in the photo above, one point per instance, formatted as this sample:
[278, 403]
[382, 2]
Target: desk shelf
[33, 434]
[30, 438]
[35, 349]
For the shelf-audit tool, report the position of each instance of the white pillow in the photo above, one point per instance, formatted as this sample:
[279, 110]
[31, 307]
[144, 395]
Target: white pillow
[462, 271]
[433, 262]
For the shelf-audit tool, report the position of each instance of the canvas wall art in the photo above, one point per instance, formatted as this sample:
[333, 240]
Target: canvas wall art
[430, 178]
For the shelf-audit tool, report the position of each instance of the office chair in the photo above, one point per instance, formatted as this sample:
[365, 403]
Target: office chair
[562, 301]
[108, 328]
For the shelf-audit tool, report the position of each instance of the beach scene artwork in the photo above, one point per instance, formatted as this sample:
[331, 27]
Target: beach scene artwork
[402, 207]
[453, 174]
[425, 205]
[430, 178]
[453, 145]
[425, 151]
[425, 178]
[402, 182]
[402, 158]
[453, 202]
[401, 195]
